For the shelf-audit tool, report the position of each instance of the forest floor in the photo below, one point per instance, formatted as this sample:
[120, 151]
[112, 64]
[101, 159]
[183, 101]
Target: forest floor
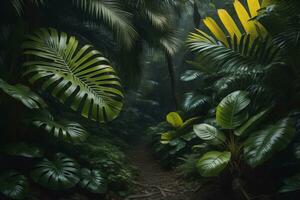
[153, 182]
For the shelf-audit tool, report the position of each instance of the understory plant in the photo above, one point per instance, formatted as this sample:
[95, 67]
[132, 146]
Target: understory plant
[240, 140]
[82, 80]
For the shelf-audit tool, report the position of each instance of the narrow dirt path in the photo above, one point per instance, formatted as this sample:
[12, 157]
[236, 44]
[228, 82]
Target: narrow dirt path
[153, 182]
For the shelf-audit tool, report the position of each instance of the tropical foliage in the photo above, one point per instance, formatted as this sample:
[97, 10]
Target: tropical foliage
[81, 80]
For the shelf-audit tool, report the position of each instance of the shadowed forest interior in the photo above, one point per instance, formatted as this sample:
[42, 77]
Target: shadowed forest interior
[150, 100]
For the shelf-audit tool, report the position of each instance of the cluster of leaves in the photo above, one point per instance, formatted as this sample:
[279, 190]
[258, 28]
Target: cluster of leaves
[245, 81]
[172, 139]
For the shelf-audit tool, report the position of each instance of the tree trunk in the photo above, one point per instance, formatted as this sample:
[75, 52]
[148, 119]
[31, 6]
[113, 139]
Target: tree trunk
[196, 15]
[171, 69]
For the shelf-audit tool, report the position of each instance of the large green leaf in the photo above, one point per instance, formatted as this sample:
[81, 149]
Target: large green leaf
[62, 129]
[209, 133]
[230, 112]
[79, 77]
[252, 123]
[23, 94]
[59, 174]
[13, 185]
[262, 145]
[212, 163]
[93, 181]
[22, 149]
[291, 184]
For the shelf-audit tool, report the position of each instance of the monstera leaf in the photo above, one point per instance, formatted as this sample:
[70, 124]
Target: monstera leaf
[23, 94]
[59, 174]
[212, 163]
[22, 149]
[262, 145]
[291, 184]
[230, 111]
[13, 185]
[209, 133]
[93, 181]
[174, 119]
[62, 129]
[78, 77]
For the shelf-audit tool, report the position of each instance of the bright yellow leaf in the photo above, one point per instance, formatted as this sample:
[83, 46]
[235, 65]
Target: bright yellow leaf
[215, 29]
[229, 24]
[245, 19]
[253, 6]
[174, 119]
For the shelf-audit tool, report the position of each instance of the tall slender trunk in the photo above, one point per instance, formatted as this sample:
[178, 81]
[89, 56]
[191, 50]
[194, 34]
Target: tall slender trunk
[171, 68]
[196, 15]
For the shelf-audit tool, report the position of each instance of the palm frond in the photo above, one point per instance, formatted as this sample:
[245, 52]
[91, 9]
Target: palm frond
[20, 4]
[79, 77]
[241, 57]
[111, 13]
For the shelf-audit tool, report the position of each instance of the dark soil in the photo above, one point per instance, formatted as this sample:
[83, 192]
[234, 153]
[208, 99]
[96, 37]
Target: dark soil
[153, 182]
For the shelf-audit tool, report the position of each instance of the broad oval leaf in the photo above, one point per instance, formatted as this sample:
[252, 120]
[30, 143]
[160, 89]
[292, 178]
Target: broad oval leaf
[79, 77]
[263, 144]
[59, 174]
[22, 149]
[93, 181]
[13, 185]
[291, 184]
[24, 94]
[209, 133]
[230, 110]
[212, 163]
[174, 119]
[62, 129]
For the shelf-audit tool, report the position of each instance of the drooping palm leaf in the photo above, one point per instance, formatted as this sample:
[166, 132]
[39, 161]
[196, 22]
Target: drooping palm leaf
[153, 12]
[79, 77]
[93, 181]
[22, 93]
[193, 101]
[112, 14]
[20, 4]
[262, 145]
[59, 174]
[13, 185]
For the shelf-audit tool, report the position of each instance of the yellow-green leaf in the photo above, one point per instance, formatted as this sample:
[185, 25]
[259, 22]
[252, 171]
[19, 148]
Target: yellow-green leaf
[174, 119]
